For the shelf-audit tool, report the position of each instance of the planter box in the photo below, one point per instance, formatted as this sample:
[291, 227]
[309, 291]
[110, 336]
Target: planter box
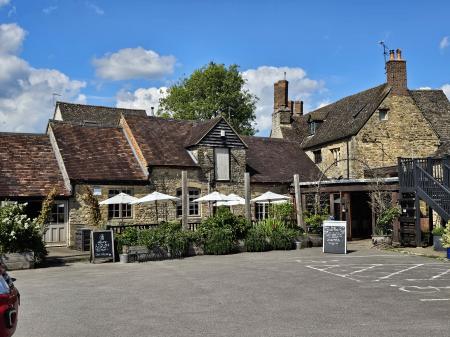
[16, 261]
[194, 250]
[314, 240]
[382, 240]
[437, 244]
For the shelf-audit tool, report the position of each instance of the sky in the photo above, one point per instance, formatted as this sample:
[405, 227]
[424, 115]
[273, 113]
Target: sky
[127, 53]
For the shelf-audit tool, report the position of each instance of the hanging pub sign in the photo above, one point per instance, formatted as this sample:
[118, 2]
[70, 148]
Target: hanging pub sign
[335, 237]
[102, 245]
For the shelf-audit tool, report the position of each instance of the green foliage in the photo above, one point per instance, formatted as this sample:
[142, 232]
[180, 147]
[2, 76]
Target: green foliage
[18, 233]
[218, 234]
[313, 221]
[438, 231]
[168, 236]
[283, 211]
[43, 219]
[91, 202]
[256, 240]
[385, 220]
[210, 89]
[282, 238]
[445, 239]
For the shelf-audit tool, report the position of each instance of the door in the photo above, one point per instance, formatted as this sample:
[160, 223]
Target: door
[57, 228]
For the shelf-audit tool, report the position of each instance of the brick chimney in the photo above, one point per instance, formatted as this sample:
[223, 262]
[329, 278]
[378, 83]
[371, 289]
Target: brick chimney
[280, 97]
[298, 108]
[396, 73]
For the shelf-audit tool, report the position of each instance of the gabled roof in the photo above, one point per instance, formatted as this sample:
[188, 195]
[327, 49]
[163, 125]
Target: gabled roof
[436, 109]
[272, 160]
[88, 114]
[200, 130]
[92, 153]
[162, 141]
[345, 117]
[28, 166]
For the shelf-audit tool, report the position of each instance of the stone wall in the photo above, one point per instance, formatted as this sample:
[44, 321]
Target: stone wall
[405, 133]
[333, 169]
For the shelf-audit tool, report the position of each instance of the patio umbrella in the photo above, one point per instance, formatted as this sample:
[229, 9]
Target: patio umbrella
[155, 197]
[270, 197]
[235, 200]
[213, 197]
[121, 198]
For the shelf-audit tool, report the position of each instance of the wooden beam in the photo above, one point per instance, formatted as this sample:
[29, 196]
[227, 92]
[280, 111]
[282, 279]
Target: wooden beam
[184, 200]
[418, 231]
[298, 205]
[248, 213]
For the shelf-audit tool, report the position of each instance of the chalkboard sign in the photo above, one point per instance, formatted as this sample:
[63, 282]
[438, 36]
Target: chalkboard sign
[335, 237]
[102, 245]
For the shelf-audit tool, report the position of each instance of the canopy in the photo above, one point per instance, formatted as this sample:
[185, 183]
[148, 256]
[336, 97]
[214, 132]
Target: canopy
[236, 200]
[270, 197]
[154, 197]
[121, 198]
[214, 196]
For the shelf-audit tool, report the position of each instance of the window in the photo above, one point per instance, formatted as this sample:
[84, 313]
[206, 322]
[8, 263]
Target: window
[97, 190]
[194, 209]
[58, 213]
[336, 155]
[383, 114]
[317, 156]
[119, 211]
[312, 128]
[222, 163]
[261, 211]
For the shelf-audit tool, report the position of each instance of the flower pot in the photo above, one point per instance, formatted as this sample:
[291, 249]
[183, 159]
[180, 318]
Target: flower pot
[125, 249]
[381, 240]
[123, 258]
[315, 240]
[437, 244]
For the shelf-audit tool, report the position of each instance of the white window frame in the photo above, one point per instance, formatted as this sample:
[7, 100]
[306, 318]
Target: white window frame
[190, 203]
[384, 113]
[57, 203]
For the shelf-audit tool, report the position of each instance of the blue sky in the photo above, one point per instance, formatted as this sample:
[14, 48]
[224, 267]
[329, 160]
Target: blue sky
[122, 53]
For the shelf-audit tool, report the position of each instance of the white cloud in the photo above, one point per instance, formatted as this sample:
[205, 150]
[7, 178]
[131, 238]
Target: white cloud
[4, 2]
[446, 89]
[444, 43]
[424, 88]
[26, 100]
[133, 63]
[142, 98]
[11, 38]
[97, 10]
[260, 82]
[48, 10]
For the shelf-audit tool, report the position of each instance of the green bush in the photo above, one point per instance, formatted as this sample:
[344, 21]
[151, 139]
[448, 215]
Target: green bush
[313, 221]
[438, 231]
[256, 240]
[219, 241]
[18, 233]
[282, 238]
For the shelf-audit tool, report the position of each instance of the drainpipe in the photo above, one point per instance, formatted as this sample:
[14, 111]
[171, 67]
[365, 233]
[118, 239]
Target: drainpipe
[348, 162]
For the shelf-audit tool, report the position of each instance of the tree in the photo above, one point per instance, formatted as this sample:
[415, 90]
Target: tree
[211, 91]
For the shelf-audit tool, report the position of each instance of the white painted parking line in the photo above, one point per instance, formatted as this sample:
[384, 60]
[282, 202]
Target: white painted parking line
[434, 299]
[398, 272]
[324, 270]
[364, 269]
[440, 275]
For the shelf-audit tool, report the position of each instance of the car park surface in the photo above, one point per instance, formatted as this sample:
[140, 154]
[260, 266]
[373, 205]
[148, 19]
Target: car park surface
[295, 293]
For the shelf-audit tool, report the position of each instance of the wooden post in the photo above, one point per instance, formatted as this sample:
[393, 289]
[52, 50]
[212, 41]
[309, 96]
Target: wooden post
[298, 201]
[184, 200]
[248, 213]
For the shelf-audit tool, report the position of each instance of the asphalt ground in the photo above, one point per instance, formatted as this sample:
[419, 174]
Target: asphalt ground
[295, 293]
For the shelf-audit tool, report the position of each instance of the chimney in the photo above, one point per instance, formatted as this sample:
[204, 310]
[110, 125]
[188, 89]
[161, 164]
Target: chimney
[298, 108]
[152, 111]
[396, 73]
[280, 97]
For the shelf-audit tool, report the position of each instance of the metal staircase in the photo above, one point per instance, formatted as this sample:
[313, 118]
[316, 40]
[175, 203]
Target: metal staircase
[424, 179]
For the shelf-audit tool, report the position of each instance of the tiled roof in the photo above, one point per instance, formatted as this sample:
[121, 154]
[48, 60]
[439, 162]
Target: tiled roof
[436, 109]
[162, 141]
[345, 117]
[28, 166]
[93, 153]
[276, 161]
[101, 115]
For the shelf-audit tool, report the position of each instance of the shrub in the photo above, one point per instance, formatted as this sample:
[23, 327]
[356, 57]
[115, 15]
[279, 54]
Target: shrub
[438, 231]
[313, 221]
[219, 241]
[446, 236]
[256, 240]
[385, 220]
[18, 233]
[282, 238]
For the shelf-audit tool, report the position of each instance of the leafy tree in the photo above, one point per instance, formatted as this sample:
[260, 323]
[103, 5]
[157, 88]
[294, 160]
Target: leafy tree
[210, 91]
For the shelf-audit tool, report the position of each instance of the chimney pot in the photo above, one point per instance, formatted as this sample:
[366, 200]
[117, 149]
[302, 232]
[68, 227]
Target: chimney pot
[399, 54]
[298, 108]
[152, 111]
[391, 55]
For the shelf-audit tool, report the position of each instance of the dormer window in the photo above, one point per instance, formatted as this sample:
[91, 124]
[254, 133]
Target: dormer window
[312, 127]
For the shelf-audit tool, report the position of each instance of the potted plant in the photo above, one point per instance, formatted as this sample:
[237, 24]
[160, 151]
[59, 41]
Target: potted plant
[313, 222]
[383, 226]
[445, 239]
[437, 235]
